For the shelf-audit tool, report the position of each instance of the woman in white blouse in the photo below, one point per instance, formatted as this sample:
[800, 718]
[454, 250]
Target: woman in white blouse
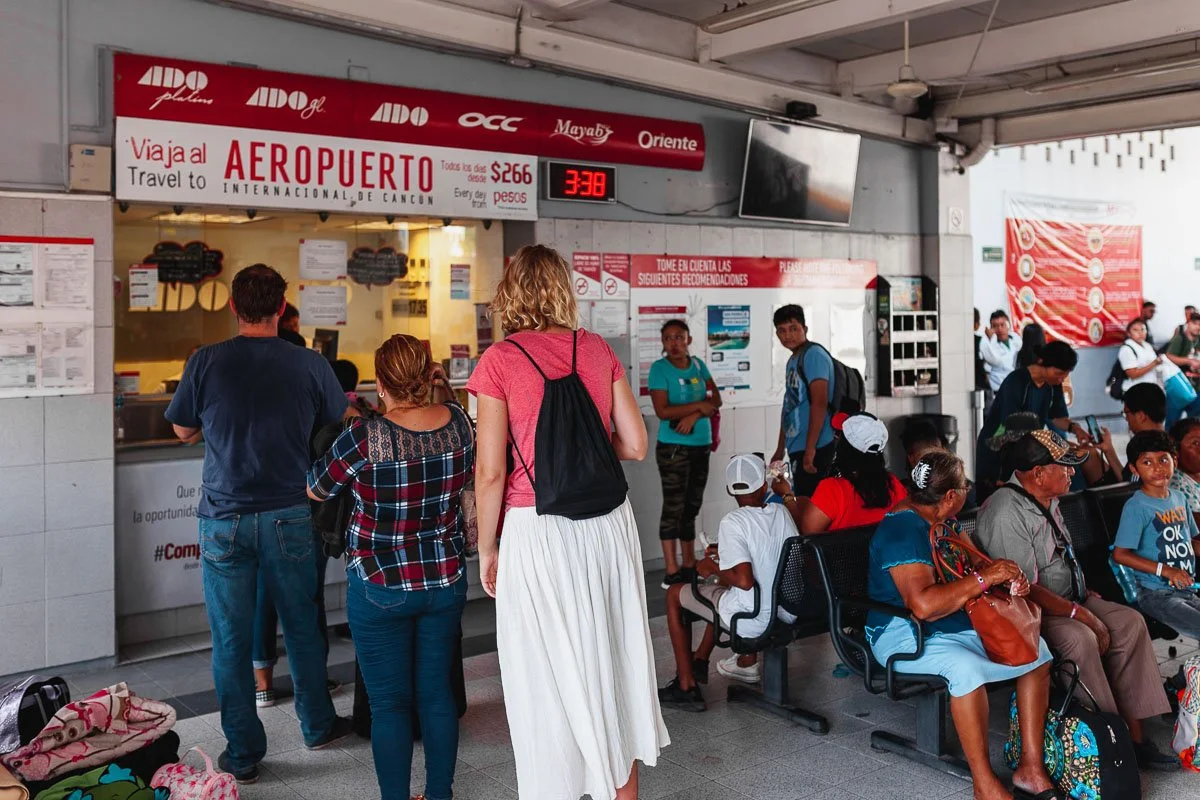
[1143, 365]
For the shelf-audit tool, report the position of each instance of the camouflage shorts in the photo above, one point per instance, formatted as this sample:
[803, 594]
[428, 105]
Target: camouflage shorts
[684, 473]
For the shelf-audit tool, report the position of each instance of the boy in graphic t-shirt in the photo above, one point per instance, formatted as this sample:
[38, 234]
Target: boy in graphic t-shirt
[1154, 539]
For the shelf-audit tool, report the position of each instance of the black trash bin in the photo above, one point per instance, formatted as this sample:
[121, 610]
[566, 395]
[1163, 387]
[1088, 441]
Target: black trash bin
[945, 424]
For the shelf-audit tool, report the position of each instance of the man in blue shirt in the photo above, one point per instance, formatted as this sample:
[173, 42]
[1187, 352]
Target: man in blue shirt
[255, 398]
[805, 432]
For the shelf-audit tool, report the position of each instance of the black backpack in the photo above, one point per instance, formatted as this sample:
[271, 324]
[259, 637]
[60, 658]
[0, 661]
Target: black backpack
[580, 476]
[1116, 377]
[849, 389]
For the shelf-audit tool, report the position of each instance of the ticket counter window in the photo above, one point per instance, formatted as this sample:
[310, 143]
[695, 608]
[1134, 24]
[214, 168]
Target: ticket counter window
[173, 269]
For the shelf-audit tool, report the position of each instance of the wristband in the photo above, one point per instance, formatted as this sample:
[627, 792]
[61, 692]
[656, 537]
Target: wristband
[791, 497]
[1158, 570]
[1074, 610]
[983, 587]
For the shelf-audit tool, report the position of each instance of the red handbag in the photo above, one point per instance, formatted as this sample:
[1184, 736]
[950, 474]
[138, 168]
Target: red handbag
[1009, 627]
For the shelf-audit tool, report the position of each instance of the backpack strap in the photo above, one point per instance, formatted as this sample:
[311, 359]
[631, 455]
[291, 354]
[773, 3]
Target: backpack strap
[545, 377]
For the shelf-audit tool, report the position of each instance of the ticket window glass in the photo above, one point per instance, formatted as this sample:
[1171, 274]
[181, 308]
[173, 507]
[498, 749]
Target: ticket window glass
[448, 268]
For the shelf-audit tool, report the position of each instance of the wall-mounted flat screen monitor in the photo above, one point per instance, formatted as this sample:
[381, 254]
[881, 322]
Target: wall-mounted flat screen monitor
[795, 173]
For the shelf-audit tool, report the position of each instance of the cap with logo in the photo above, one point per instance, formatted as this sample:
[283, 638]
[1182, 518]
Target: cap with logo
[1041, 449]
[864, 432]
[745, 474]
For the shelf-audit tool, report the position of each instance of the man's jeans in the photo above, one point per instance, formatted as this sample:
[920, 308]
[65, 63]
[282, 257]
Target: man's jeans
[1179, 608]
[405, 643]
[266, 620]
[279, 546]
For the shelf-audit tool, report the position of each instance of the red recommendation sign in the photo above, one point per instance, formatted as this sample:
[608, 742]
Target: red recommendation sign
[1081, 281]
[704, 272]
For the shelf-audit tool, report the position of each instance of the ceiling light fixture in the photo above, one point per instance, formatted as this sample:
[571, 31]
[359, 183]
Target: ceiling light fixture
[378, 225]
[201, 218]
[759, 12]
[1085, 79]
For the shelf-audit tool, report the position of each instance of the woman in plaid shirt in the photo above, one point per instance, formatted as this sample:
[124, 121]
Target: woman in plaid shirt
[406, 571]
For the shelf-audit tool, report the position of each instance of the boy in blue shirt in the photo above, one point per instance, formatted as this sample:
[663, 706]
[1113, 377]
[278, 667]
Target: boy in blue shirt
[1154, 539]
[805, 432]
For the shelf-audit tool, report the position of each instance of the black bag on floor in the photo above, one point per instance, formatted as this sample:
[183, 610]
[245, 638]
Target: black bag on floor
[25, 708]
[362, 704]
[1088, 752]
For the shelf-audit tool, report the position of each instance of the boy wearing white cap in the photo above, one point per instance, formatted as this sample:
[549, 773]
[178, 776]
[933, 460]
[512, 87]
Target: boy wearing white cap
[750, 543]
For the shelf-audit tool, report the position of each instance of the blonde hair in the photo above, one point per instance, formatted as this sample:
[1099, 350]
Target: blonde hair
[403, 368]
[535, 292]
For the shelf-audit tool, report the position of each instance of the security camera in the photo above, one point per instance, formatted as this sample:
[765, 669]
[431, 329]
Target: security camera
[960, 169]
[487, 224]
[447, 222]
[391, 218]
[323, 216]
[123, 206]
[177, 209]
[251, 213]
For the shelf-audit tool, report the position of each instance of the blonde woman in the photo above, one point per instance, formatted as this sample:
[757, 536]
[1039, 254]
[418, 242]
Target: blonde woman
[575, 652]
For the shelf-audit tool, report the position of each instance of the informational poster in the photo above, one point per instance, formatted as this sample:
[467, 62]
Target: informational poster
[614, 276]
[650, 320]
[323, 306]
[323, 259]
[610, 318]
[729, 346]
[460, 281]
[67, 271]
[19, 357]
[587, 275]
[66, 356]
[143, 286]
[128, 382]
[1074, 267]
[483, 328]
[16, 274]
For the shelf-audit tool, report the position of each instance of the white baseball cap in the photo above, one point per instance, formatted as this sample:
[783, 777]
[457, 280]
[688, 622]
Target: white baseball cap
[745, 474]
[865, 433]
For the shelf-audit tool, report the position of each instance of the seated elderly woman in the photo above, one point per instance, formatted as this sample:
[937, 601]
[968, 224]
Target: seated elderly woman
[902, 574]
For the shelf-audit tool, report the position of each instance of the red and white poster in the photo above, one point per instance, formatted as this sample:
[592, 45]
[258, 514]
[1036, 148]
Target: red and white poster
[1073, 267]
[614, 276]
[706, 272]
[650, 320]
[587, 276]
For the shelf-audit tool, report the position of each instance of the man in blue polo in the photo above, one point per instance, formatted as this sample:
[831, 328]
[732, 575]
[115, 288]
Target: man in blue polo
[805, 432]
[256, 398]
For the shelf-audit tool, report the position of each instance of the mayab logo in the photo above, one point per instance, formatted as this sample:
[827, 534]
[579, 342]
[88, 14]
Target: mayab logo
[268, 97]
[400, 114]
[182, 87]
[492, 122]
[594, 135]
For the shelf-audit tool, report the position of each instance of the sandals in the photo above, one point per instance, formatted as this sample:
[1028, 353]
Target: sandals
[1049, 794]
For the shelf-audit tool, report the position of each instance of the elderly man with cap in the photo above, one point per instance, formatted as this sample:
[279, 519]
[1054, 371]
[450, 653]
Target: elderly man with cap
[749, 545]
[1021, 522]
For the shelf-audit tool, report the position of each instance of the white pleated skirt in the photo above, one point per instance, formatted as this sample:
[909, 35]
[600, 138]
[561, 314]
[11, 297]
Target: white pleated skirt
[576, 659]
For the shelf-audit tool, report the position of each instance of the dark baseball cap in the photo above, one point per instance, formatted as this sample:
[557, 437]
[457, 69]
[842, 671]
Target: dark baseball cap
[1041, 449]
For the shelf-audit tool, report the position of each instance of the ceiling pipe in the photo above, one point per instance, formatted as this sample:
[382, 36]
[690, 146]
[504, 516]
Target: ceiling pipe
[987, 141]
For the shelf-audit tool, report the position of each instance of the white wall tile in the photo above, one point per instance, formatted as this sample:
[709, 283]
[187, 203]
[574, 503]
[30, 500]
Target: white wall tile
[22, 216]
[78, 217]
[103, 288]
[543, 231]
[81, 426]
[716, 240]
[748, 242]
[24, 629]
[572, 236]
[22, 569]
[746, 430]
[80, 628]
[138, 628]
[22, 426]
[683, 240]
[80, 561]
[808, 244]
[779, 243]
[648, 238]
[191, 619]
[611, 237]
[25, 500]
[103, 345]
[872, 248]
[79, 494]
[833, 245]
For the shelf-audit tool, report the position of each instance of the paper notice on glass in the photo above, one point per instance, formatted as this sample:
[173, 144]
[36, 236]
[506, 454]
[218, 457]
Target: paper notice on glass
[16, 274]
[729, 346]
[650, 320]
[67, 271]
[66, 356]
[610, 319]
[460, 281]
[322, 306]
[18, 357]
[143, 286]
[322, 259]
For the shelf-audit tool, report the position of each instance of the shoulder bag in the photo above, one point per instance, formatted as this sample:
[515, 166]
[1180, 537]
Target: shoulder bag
[1010, 627]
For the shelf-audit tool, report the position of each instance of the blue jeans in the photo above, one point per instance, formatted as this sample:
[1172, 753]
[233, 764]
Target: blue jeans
[1179, 608]
[405, 641]
[266, 619]
[234, 552]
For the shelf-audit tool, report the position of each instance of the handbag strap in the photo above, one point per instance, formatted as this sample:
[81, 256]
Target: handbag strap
[208, 764]
[1073, 685]
[942, 531]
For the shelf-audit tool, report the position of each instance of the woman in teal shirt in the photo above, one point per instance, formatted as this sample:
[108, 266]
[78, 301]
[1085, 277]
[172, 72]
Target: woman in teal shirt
[685, 399]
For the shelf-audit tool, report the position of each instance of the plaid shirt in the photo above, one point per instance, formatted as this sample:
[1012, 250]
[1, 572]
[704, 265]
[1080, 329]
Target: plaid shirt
[407, 527]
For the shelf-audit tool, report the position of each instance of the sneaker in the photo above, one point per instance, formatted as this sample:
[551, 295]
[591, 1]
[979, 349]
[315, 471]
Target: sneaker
[1149, 757]
[730, 668]
[343, 728]
[672, 578]
[700, 670]
[672, 696]
[688, 573]
[245, 776]
[333, 686]
[265, 698]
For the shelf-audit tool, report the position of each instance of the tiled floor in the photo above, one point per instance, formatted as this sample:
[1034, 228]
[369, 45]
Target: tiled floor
[730, 752]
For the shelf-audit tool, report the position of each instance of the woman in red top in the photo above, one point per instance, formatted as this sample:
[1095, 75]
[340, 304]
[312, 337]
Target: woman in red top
[576, 659]
[859, 491]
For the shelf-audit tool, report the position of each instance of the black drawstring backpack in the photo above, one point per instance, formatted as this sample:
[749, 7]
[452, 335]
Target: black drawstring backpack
[579, 474]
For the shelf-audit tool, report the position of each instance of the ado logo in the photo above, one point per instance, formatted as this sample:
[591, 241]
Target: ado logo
[400, 114]
[182, 87]
[267, 97]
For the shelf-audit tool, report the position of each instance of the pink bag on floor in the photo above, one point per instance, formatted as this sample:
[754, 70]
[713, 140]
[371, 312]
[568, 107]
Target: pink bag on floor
[185, 782]
[1187, 724]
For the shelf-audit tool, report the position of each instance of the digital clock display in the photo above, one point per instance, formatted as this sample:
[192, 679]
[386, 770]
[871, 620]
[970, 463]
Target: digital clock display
[581, 182]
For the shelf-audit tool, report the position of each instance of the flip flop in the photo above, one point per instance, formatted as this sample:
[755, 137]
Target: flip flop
[1049, 794]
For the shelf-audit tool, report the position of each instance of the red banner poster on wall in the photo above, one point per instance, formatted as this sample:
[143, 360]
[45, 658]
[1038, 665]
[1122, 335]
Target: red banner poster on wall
[1080, 276]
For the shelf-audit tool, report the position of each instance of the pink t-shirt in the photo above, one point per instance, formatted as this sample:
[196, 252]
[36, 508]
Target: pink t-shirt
[504, 373]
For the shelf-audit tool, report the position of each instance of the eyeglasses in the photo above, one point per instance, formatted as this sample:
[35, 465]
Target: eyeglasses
[966, 488]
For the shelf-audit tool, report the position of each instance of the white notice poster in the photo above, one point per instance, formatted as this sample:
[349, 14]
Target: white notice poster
[322, 259]
[322, 306]
[650, 320]
[66, 356]
[143, 286]
[610, 318]
[460, 281]
[16, 274]
[18, 358]
[67, 271]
